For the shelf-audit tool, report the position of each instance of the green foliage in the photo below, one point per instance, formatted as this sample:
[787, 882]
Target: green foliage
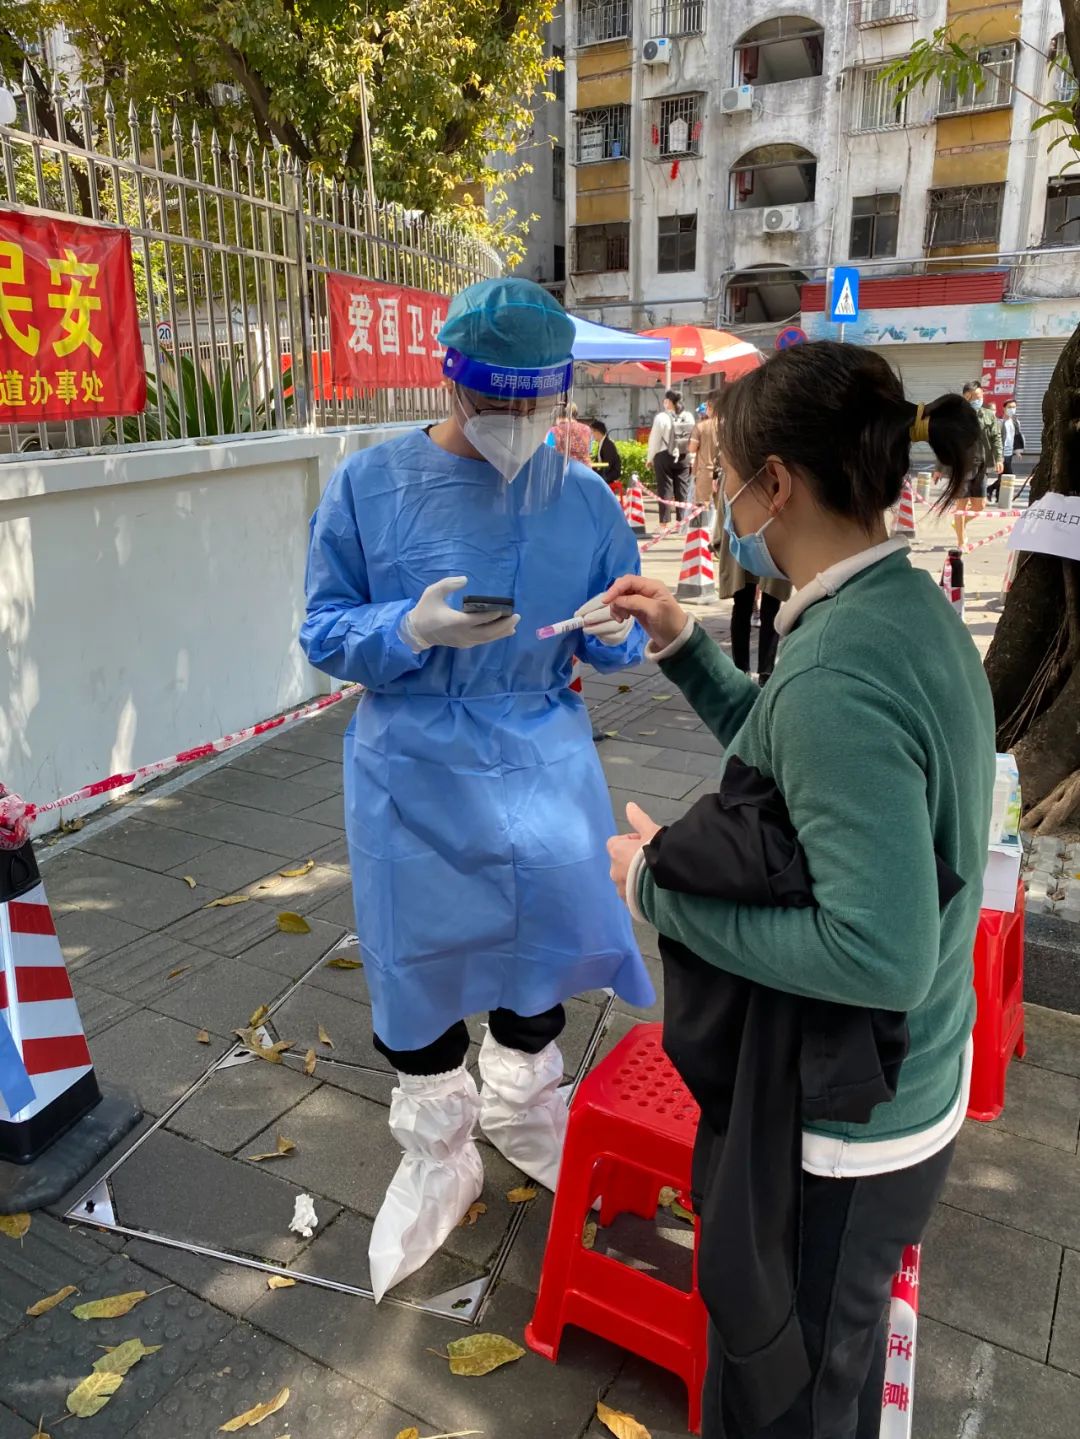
[234, 408]
[634, 464]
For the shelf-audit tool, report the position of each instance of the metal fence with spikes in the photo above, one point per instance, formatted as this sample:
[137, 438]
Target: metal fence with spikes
[231, 250]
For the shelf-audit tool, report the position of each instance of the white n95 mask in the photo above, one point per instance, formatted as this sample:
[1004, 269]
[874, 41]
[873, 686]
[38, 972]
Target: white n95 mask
[507, 441]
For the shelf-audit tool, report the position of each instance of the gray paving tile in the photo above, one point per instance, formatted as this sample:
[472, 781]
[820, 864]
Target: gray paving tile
[78, 880]
[258, 791]
[153, 1056]
[628, 749]
[1029, 1186]
[970, 1389]
[347, 1021]
[140, 971]
[226, 868]
[44, 1361]
[990, 1281]
[12, 1427]
[302, 893]
[236, 1103]
[246, 1368]
[49, 1256]
[349, 983]
[321, 744]
[276, 834]
[672, 737]
[229, 930]
[662, 810]
[336, 853]
[87, 934]
[336, 719]
[705, 766]
[339, 909]
[625, 774]
[275, 763]
[97, 1009]
[174, 1187]
[329, 811]
[1065, 1345]
[328, 773]
[1053, 1039]
[180, 810]
[221, 997]
[1042, 1105]
[294, 954]
[149, 846]
[369, 1084]
[654, 1396]
[230, 1287]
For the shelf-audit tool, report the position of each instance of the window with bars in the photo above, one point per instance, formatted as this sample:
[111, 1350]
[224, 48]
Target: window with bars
[558, 77]
[676, 17]
[884, 12]
[877, 105]
[964, 215]
[1061, 225]
[875, 221]
[676, 127]
[602, 134]
[558, 173]
[600, 20]
[996, 91]
[1061, 69]
[600, 248]
[676, 243]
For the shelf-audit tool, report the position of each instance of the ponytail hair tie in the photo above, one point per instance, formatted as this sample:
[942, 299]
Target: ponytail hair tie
[920, 428]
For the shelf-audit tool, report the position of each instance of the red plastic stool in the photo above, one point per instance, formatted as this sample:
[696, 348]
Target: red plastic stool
[999, 1016]
[631, 1133]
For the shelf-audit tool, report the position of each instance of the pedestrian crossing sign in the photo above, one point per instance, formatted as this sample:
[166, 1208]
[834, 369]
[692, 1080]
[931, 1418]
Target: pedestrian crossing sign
[844, 295]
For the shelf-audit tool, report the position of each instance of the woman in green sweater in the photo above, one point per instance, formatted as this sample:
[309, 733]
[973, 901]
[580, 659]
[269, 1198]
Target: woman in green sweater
[878, 730]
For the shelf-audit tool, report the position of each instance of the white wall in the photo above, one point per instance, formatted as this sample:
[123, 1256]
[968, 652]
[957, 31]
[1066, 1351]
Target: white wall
[150, 601]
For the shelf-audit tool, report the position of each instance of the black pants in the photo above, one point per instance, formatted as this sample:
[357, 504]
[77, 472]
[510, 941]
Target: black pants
[672, 482]
[528, 1034]
[851, 1238]
[741, 616]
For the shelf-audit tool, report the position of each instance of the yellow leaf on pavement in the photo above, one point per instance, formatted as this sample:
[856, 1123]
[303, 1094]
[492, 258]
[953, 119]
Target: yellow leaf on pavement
[203, 1037]
[226, 900]
[623, 1426]
[93, 1393]
[309, 1062]
[256, 1415]
[340, 962]
[270, 1052]
[472, 1214]
[523, 1194]
[412, 1433]
[51, 1301]
[667, 1197]
[290, 923]
[284, 1146]
[258, 1017]
[189, 880]
[115, 1306]
[588, 1235]
[14, 1225]
[479, 1354]
[279, 1281]
[300, 870]
[121, 1357]
[176, 973]
[324, 1038]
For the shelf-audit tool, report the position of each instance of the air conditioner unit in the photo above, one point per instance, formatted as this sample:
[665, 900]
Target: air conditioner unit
[735, 98]
[996, 55]
[657, 52]
[779, 219]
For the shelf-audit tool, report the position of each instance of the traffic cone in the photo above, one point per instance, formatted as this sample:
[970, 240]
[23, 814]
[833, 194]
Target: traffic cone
[952, 580]
[634, 508]
[905, 514]
[697, 578]
[54, 1123]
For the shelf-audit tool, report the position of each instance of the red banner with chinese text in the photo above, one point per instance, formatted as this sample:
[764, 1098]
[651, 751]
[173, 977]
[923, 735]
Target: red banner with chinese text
[384, 337]
[70, 346]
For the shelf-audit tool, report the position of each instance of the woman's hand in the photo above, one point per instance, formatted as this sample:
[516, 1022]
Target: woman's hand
[623, 847]
[650, 603]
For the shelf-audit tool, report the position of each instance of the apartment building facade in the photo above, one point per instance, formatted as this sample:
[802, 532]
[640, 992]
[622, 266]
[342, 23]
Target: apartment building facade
[723, 158]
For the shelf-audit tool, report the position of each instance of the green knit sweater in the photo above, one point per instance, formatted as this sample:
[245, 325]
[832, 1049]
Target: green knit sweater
[878, 728]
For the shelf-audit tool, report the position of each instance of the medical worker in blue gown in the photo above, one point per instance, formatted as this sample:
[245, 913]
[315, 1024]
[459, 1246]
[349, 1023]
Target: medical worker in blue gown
[476, 807]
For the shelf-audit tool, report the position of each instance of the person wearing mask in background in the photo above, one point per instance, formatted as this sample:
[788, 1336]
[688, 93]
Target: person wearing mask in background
[1012, 448]
[991, 454]
[572, 436]
[608, 461]
[874, 744]
[669, 453]
[476, 810]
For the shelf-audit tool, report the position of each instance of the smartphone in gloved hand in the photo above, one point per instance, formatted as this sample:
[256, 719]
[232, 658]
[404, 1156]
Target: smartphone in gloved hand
[497, 606]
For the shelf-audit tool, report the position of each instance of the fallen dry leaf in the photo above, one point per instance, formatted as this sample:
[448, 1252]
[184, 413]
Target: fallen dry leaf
[290, 923]
[611, 734]
[39, 1433]
[258, 1017]
[51, 1301]
[479, 1354]
[270, 1052]
[523, 1194]
[114, 1306]
[226, 900]
[680, 1212]
[667, 1197]
[14, 1225]
[203, 1037]
[646, 731]
[623, 1426]
[93, 1393]
[71, 826]
[588, 1234]
[279, 1281]
[189, 880]
[300, 870]
[309, 1062]
[342, 963]
[624, 689]
[257, 1414]
[472, 1214]
[324, 1038]
[284, 1146]
[121, 1357]
[412, 1433]
[661, 698]
[176, 973]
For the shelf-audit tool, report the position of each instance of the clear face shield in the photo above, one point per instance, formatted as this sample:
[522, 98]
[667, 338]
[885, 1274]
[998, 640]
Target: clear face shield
[522, 423]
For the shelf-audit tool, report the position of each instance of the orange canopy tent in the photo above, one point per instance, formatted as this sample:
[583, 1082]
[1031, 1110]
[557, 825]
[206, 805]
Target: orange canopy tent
[695, 350]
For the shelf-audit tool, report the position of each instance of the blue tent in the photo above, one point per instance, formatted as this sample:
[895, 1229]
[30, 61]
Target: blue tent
[601, 345]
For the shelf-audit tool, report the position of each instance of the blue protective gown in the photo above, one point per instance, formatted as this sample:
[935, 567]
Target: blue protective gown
[477, 813]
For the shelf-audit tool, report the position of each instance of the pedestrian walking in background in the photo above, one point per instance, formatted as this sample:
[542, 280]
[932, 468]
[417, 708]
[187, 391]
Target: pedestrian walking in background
[1012, 448]
[704, 451]
[669, 454]
[608, 461]
[991, 455]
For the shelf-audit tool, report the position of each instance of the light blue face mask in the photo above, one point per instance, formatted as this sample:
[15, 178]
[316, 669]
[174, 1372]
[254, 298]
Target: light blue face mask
[750, 551]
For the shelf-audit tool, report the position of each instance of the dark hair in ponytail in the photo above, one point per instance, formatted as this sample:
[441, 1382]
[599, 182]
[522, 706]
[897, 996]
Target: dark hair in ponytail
[837, 415]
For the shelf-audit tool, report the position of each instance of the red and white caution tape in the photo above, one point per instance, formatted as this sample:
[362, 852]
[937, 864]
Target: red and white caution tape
[672, 504]
[666, 531]
[188, 756]
[985, 540]
[899, 1391]
[990, 514]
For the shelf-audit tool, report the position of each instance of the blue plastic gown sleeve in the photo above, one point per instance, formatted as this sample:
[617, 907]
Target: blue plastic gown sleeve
[617, 554]
[344, 634]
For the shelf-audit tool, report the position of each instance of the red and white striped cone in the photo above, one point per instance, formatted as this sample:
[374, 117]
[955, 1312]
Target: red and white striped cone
[697, 578]
[904, 523]
[634, 508]
[952, 580]
[898, 1392]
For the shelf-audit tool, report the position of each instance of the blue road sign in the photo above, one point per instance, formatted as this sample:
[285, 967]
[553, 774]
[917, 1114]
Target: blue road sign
[791, 336]
[844, 295]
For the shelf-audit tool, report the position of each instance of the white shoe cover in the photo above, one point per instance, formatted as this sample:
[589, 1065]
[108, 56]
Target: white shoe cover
[440, 1175]
[521, 1111]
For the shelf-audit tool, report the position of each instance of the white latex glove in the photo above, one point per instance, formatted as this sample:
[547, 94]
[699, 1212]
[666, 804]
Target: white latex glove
[434, 622]
[600, 624]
